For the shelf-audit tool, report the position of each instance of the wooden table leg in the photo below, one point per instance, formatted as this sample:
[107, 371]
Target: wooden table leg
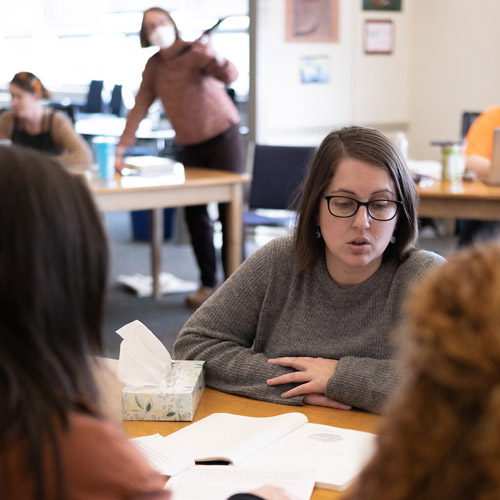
[156, 244]
[234, 237]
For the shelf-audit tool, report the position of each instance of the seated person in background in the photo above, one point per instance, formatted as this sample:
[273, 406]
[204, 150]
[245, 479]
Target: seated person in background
[441, 437]
[308, 318]
[479, 142]
[54, 441]
[30, 124]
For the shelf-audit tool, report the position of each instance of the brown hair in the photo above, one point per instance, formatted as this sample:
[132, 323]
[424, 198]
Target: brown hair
[370, 146]
[142, 34]
[441, 438]
[30, 83]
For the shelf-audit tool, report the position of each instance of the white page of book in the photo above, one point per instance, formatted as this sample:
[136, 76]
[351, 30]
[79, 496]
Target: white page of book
[159, 456]
[231, 437]
[337, 455]
[218, 482]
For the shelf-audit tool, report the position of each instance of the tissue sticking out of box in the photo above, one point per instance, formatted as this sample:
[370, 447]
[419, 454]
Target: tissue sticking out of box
[144, 360]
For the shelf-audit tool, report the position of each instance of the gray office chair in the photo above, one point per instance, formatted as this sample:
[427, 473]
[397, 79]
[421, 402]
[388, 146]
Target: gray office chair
[277, 174]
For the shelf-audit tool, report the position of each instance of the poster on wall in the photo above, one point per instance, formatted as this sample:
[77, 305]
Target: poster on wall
[394, 5]
[312, 21]
[315, 69]
[379, 36]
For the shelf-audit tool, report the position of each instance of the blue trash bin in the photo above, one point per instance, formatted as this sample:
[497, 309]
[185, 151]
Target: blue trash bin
[141, 224]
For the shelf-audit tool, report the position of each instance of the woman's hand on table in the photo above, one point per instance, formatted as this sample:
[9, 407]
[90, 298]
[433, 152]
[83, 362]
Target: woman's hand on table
[312, 375]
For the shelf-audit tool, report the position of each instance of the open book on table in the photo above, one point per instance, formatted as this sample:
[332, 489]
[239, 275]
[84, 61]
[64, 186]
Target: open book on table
[285, 442]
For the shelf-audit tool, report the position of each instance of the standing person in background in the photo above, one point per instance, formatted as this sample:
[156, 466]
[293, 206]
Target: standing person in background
[441, 437]
[55, 442]
[308, 319]
[49, 131]
[189, 79]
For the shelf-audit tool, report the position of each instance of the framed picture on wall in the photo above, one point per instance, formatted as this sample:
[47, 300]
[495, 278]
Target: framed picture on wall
[379, 36]
[394, 5]
[312, 21]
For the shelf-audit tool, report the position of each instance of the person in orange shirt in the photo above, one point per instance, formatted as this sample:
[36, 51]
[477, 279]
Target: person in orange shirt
[479, 141]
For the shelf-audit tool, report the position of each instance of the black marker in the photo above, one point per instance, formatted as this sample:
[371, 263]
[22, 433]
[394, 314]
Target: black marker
[187, 48]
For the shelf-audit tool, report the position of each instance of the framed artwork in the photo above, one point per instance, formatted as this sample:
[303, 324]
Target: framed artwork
[394, 5]
[312, 21]
[379, 36]
[315, 69]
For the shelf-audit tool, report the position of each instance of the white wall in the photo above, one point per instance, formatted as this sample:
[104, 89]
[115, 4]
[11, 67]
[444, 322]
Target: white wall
[455, 67]
[445, 61]
[367, 89]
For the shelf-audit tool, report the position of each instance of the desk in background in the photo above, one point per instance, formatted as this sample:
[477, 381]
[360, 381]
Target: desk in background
[217, 402]
[459, 200]
[100, 124]
[201, 186]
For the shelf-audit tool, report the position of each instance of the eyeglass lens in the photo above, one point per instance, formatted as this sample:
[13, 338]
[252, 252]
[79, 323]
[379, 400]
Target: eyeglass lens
[341, 206]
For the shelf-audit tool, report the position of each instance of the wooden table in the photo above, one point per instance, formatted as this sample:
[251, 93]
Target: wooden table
[215, 402]
[459, 200]
[200, 186]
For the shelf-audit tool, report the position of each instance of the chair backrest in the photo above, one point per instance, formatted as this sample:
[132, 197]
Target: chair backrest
[468, 118]
[116, 106]
[69, 109]
[277, 174]
[95, 103]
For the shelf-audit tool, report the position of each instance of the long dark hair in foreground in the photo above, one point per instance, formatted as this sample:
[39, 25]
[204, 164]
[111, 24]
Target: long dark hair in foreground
[441, 438]
[53, 268]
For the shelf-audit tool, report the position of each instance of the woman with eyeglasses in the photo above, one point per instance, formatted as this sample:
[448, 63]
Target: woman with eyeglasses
[29, 123]
[308, 319]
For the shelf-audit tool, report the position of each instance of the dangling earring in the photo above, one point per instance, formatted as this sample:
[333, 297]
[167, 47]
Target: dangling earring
[317, 234]
[393, 239]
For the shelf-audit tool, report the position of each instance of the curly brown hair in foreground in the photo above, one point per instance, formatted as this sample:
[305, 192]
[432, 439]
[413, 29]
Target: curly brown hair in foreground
[441, 437]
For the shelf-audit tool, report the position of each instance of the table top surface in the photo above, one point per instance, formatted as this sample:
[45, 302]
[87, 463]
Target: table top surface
[214, 402]
[191, 177]
[458, 190]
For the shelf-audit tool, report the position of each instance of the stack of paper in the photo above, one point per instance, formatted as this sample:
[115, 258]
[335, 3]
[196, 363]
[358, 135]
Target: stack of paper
[152, 165]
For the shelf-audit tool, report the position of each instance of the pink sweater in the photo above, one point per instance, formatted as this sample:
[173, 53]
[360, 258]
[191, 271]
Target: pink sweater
[190, 88]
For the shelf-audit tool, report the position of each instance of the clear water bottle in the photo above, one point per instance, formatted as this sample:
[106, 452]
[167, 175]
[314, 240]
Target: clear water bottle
[402, 143]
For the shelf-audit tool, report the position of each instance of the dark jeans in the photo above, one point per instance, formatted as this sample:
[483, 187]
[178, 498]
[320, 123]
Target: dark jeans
[223, 152]
[476, 231]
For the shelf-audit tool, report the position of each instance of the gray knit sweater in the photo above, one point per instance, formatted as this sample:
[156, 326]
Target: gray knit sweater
[267, 310]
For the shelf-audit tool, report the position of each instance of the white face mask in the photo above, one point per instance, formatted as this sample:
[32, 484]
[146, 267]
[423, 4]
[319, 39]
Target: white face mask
[163, 36]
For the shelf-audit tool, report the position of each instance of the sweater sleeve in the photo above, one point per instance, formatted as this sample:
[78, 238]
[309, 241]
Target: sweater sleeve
[222, 332]
[6, 124]
[75, 149]
[143, 100]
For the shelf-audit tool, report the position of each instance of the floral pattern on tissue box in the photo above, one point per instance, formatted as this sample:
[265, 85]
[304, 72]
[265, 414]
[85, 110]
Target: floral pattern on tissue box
[177, 402]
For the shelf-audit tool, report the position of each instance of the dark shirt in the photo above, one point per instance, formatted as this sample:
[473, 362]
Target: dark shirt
[41, 142]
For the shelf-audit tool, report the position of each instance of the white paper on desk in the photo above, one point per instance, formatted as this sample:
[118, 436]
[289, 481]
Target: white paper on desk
[155, 451]
[143, 360]
[218, 482]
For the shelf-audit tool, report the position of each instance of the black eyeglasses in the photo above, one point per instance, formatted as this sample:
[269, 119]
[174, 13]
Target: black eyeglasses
[344, 207]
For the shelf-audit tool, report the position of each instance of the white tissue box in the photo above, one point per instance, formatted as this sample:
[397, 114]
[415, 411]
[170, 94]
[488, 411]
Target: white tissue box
[176, 402]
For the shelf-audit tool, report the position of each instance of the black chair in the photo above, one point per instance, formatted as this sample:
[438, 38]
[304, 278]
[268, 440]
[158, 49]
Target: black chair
[95, 103]
[116, 105]
[468, 118]
[70, 109]
[277, 174]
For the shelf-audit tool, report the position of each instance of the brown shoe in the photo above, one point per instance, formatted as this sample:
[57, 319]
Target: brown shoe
[200, 296]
